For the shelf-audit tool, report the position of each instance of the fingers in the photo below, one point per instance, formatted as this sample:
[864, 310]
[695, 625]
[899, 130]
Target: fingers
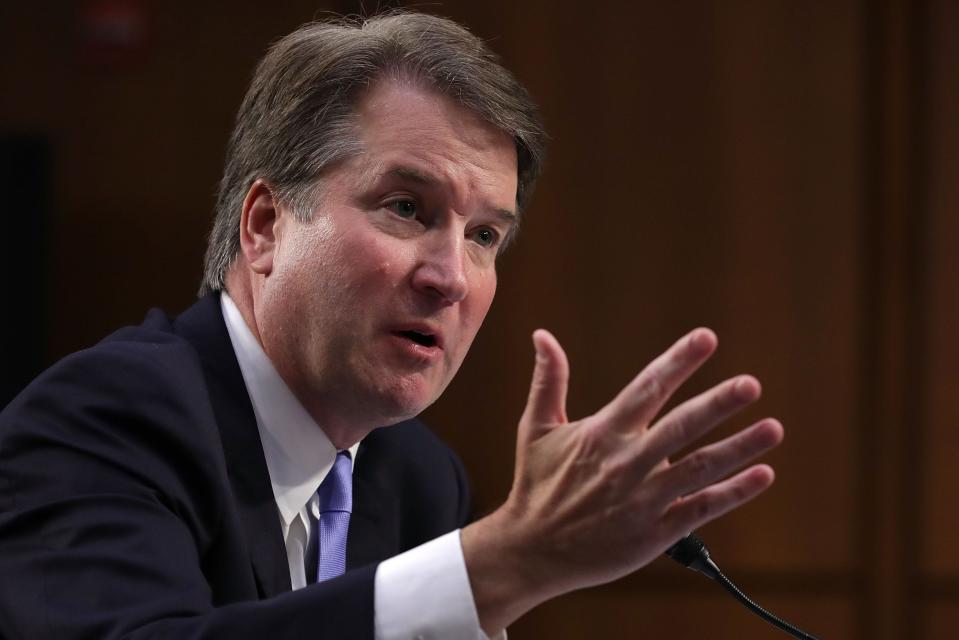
[546, 405]
[708, 504]
[641, 400]
[705, 466]
[695, 417]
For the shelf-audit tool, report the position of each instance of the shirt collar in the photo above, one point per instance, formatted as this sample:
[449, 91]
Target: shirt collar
[298, 452]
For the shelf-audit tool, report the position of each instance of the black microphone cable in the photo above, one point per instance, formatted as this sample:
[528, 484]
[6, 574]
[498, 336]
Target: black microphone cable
[691, 552]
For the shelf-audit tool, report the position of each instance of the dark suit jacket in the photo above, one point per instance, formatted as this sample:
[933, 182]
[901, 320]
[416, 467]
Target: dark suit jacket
[135, 500]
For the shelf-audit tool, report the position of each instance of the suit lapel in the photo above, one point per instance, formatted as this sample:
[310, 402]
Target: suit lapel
[373, 535]
[203, 326]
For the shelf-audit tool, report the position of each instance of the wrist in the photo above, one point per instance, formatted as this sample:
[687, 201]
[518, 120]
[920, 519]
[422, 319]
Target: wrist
[503, 571]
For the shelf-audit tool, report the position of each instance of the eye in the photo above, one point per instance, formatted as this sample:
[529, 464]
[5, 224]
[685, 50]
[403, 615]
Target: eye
[403, 208]
[486, 237]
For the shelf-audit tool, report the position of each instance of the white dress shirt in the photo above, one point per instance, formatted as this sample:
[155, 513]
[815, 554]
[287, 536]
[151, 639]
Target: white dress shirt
[423, 593]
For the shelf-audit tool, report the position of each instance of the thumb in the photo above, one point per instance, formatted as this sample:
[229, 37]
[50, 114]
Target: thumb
[546, 405]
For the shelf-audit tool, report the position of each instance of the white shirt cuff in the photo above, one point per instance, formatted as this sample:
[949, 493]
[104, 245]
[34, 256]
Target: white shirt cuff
[425, 594]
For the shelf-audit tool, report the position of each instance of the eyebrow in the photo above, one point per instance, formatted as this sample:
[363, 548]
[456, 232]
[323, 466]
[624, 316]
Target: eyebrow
[508, 216]
[413, 175]
[429, 180]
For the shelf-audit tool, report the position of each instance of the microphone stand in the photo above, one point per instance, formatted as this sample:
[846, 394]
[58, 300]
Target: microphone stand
[691, 552]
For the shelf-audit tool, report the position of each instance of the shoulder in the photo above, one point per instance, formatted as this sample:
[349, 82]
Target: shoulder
[145, 370]
[131, 412]
[148, 359]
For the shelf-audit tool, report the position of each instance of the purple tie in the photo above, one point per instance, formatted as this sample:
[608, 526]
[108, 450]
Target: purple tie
[336, 503]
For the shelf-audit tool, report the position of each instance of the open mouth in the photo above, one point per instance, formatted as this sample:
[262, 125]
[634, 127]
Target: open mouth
[425, 339]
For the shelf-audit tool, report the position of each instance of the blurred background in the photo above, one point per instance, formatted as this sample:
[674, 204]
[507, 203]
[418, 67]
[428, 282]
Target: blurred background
[782, 171]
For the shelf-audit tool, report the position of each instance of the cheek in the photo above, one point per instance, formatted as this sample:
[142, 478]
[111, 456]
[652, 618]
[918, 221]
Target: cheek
[375, 262]
[482, 293]
[383, 267]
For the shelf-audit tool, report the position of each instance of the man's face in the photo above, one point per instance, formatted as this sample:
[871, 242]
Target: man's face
[371, 306]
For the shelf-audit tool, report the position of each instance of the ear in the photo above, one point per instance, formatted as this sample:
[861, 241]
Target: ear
[258, 222]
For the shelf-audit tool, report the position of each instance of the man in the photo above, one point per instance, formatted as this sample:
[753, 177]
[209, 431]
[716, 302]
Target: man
[175, 480]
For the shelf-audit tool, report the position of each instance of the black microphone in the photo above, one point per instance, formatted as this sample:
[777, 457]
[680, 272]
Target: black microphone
[691, 552]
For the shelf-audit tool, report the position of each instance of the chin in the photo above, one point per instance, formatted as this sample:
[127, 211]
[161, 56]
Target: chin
[406, 401]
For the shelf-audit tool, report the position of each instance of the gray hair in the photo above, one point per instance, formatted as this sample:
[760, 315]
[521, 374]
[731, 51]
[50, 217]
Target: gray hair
[297, 118]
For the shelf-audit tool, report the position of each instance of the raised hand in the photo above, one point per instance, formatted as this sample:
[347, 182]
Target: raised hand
[596, 499]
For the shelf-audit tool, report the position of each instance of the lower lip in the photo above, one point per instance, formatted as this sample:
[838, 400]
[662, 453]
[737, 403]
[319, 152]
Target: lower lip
[416, 351]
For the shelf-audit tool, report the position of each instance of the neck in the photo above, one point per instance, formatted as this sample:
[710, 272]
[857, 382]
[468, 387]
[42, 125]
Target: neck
[343, 427]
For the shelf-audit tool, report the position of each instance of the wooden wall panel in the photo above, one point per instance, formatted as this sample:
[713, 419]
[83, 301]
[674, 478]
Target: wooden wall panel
[939, 621]
[940, 473]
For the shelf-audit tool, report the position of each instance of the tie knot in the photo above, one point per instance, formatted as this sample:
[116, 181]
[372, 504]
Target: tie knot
[336, 490]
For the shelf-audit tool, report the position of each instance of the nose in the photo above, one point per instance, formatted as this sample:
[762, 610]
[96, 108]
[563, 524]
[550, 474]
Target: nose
[441, 267]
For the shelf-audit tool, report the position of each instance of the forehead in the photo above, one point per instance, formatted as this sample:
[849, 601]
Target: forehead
[407, 126]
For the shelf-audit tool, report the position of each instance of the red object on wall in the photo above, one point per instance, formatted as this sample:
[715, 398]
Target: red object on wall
[113, 33]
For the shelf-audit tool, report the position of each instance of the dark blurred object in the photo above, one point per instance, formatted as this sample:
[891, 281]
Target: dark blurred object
[113, 34]
[25, 185]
